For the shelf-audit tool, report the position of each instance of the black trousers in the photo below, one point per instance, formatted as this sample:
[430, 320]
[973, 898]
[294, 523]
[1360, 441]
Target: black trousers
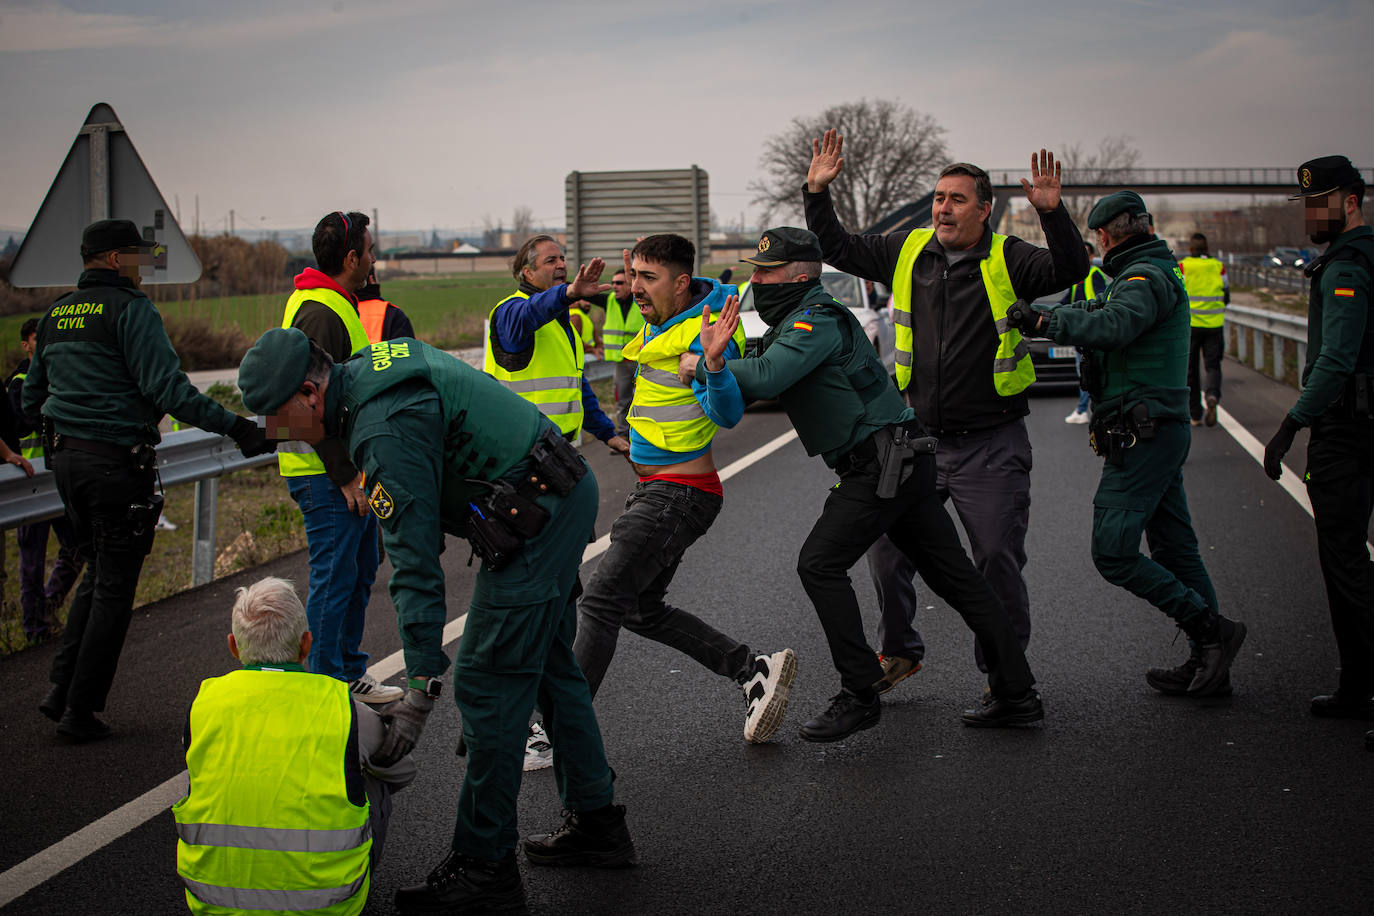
[1340, 483]
[97, 491]
[1209, 344]
[917, 523]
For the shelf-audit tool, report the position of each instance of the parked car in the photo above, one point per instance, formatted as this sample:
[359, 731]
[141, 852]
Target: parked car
[1295, 258]
[850, 291]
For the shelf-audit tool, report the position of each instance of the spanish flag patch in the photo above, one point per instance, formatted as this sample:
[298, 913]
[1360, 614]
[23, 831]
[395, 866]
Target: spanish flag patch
[1343, 292]
[801, 325]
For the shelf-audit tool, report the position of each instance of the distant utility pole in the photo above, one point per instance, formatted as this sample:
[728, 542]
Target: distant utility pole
[376, 229]
[231, 222]
[197, 214]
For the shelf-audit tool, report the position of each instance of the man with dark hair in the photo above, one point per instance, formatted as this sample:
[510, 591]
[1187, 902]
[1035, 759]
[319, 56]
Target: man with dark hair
[340, 532]
[38, 601]
[679, 493]
[1136, 339]
[1337, 402]
[1208, 296]
[962, 370]
[623, 321]
[103, 375]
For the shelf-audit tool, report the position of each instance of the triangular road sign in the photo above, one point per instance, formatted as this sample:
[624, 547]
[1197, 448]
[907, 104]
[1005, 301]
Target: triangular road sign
[103, 178]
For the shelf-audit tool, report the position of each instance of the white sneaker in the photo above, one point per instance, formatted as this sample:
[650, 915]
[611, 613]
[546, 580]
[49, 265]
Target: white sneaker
[765, 694]
[164, 525]
[538, 750]
[370, 692]
[1078, 416]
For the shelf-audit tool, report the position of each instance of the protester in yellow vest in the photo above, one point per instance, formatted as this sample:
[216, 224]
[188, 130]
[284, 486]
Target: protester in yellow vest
[584, 326]
[339, 529]
[959, 365]
[1208, 295]
[287, 809]
[623, 321]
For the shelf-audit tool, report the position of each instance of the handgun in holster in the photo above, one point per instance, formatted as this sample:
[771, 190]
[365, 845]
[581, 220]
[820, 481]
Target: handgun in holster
[500, 520]
[898, 448]
[143, 518]
[557, 467]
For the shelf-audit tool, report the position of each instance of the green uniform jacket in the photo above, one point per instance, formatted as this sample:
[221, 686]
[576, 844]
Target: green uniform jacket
[104, 368]
[1138, 338]
[832, 384]
[418, 422]
[1338, 329]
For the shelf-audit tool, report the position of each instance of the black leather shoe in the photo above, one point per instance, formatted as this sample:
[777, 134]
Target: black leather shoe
[597, 838]
[1174, 682]
[55, 703]
[847, 714]
[1340, 706]
[462, 884]
[1002, 712]
[81, 727]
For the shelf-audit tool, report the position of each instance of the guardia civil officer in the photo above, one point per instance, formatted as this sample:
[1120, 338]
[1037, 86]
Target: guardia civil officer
[818, 361]
[1136, 342]
[448, 450]
[1336, 404]
[103, 375]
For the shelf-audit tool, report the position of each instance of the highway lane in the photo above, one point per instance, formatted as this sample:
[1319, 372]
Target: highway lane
[1124, 801]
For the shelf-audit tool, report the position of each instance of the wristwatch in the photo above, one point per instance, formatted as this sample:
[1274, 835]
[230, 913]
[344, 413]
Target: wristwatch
[432, 686]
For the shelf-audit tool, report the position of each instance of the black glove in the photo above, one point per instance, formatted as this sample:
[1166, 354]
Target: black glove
[1024, 318]
[1279, 446]
[404, 719]
[250, 438]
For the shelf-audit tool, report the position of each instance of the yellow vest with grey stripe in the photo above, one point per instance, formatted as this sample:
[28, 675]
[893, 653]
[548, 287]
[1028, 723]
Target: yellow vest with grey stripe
[1206, 305]
[619, 328]
[664, 410]
[297, 459]
[31, 445]
[1011, 366]
[268, 824]
[552, 381]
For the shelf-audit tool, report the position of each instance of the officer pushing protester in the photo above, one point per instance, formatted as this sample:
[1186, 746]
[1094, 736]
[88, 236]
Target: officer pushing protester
[1338, 404]
[448, 450]
[103, 375]
[1136, 341]
[817, 360]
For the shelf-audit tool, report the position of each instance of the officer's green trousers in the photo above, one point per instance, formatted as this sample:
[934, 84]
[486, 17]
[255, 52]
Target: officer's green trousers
[1145, 496]
[516, 650]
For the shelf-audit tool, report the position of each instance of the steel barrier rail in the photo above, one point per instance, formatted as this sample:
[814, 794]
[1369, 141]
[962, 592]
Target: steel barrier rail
[1262, 323]
[1252, 275]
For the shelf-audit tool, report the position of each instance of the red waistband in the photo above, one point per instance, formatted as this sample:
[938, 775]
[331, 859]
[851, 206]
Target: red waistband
[709, 483]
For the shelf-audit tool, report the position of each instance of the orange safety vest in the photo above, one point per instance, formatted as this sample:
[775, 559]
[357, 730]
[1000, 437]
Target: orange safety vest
[372, 312]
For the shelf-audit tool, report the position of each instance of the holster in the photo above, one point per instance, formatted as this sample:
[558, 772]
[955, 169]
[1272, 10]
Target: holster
[1110, 438]
[143, 518]
[556, 466]
[898, 447]
[500, 520]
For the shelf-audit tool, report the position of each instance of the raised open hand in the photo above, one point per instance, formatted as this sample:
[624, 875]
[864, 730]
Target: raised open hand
[1043, 188]
[588, 281]
[826, 161]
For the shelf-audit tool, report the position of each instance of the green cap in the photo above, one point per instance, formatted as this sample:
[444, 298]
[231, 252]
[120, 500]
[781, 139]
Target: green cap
[273, 369]
[786, 244]
[1113, 205]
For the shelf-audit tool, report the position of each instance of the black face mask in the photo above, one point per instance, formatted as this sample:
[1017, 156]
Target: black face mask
[775, 301]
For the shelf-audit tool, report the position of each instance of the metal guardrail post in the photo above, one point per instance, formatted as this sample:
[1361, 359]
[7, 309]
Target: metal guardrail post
[203, 536]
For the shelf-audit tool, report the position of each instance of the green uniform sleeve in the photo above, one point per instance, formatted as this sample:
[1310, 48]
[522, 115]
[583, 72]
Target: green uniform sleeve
[397, 440]
[156, 369]
[804, 342]
[1345, 288]
[1138, 299]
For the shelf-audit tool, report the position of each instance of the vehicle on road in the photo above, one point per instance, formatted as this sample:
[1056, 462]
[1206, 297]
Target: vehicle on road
[849, 291]
[1296, 258]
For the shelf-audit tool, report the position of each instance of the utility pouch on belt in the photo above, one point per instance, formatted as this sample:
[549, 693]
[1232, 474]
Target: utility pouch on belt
[143, 518]
[1141, 423]
[557, 465]
[500, 520]
[1110, 439]
[898, 447]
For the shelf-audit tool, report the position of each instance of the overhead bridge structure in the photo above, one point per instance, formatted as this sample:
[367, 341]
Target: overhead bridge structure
[1006, 184]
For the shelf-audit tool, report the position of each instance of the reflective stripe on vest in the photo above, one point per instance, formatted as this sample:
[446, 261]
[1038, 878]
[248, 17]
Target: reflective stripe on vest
[1202, 277]
[1011, 365]
[619, 328]
[1086, 290]
[372, 314]
[664, 410]
[297, 459]
[31, 446]
[267, 755]
[552, 381]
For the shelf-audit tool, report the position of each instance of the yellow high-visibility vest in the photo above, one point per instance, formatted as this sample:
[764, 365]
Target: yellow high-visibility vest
[1202, 277]
[552, 381]
[31, 446]
[664, 410]
[1012, 371]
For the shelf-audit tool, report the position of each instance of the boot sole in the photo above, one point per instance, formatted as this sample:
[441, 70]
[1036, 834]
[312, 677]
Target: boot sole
[775, 709]
[617, 858]
[1021, 718]
[884, 684]
[1224, 690]
[865, 723]
[1228, 656]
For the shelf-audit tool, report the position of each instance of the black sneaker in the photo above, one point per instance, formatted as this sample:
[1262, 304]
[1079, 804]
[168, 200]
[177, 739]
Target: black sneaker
[463, 884]
[1173, 682]
[597, 838]
[80, 727]
[1215, 656]
[847, 714]
[1004, 713]
[55, 703]
[765, 694]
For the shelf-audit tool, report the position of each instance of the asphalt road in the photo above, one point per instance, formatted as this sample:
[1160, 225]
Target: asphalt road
[1123, 802]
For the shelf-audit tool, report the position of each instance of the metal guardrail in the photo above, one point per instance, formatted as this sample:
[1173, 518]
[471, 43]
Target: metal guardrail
[1256, 276]
[1254, 327]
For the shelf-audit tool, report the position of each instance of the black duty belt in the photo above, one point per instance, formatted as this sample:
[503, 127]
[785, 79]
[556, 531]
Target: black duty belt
[93, 446]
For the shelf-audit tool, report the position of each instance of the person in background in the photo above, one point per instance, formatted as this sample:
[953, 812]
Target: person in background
[1208, 295]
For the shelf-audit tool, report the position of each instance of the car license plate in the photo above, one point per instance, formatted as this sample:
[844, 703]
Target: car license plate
[1061, 352]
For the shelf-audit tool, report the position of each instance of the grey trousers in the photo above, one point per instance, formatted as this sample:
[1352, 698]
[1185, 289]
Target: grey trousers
[986, 474]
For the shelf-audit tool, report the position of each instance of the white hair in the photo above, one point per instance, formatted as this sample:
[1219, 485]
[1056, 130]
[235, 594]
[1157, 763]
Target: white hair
[268, 622]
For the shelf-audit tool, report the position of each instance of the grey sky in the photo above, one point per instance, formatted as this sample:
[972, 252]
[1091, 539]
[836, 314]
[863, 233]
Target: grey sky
[438, 113]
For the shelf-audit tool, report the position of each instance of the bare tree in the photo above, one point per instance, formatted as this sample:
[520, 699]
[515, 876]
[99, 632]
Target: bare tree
[1112, 163]
[491, 231]
[891, 156]
[522, 224]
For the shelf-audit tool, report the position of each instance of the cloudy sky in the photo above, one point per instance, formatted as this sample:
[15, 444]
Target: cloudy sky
[440, 113]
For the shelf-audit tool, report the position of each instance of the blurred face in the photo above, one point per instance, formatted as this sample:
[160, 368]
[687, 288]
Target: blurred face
[957, 216]
[301, 418]
[550, 267]
[1324, 217]
[128, 260]
[28, 344]
[658, 294]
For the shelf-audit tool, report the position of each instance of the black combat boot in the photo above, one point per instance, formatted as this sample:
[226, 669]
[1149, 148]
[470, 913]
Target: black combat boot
[463, 884]
[55, 703]
[1174, 682]
[598, 838]
[1218, 640]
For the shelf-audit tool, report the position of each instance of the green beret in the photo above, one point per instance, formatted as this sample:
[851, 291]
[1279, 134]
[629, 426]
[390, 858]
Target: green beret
[1113, 205]
[273, 369]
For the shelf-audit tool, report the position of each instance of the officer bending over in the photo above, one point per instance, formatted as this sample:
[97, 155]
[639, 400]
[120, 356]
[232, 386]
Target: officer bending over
[818, 361]
[448, 450]
[1136, 339]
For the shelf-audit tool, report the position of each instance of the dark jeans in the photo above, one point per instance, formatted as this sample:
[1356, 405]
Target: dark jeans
[38, 600]
[1340, 483]
[661, 520]
[1210, 343]
[986, 475]
[97, 491]
[918, 526]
